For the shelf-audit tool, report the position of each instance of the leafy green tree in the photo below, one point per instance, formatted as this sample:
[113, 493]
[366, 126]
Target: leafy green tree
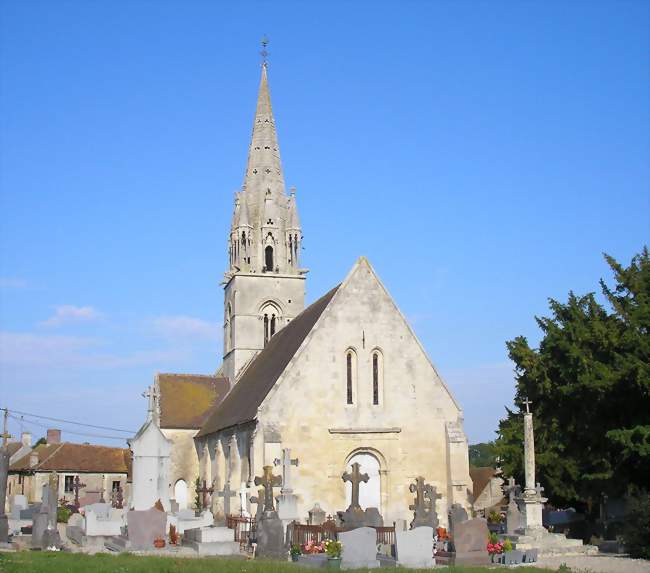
[589, 381]
[483, 455]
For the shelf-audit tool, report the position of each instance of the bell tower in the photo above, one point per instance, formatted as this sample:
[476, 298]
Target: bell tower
[264, 284]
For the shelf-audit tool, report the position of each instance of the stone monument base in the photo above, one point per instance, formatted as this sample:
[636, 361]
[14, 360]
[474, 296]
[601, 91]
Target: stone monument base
[548, 543]
[212, 541]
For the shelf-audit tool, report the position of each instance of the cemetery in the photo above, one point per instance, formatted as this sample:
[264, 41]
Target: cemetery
[290, 433]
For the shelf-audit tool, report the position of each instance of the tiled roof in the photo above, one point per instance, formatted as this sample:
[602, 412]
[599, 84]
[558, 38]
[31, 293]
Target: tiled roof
[13, 447]
[480, 478]
[257, 380]
[187, 399]
[77, 458]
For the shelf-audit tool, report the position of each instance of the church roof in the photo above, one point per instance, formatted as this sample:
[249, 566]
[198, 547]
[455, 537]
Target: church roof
[67, 456]
[186, 400]
[241, 404]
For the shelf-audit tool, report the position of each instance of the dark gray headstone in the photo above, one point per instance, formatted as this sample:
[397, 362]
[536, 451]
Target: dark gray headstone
[270, 538]
[317, 515]
[513, 518]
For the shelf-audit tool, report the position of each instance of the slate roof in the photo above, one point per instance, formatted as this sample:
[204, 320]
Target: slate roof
[187, 399]
[67, 456]
[241, 404]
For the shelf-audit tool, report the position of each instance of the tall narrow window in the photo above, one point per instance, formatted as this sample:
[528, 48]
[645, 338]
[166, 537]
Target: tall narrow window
[348, 367]
[266, 329]
[268, 258]
[272, 325]
[375, 379]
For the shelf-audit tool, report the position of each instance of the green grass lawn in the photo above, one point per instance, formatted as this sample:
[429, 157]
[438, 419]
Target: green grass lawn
[37, 562]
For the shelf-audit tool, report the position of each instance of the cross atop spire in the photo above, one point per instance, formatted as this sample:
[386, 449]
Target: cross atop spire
[526, 402]
[264, 53]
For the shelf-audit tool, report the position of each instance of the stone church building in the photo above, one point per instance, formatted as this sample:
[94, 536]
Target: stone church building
[342, 380]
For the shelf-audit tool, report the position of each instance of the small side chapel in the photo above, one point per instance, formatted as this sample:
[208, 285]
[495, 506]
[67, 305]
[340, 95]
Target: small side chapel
[343, 380]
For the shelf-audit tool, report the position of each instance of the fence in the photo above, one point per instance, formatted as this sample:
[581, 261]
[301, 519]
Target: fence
[299, 534]
[244, 528]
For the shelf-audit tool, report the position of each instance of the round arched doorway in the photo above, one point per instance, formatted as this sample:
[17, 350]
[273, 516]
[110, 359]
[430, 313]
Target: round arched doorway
[370, 491]
[180, 494]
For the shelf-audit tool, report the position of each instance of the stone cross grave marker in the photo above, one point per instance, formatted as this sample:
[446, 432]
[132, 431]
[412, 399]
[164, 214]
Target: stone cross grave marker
[259, 500]
[268, 481]
[512, 489]
[286, 462]
[424, 507]
[204, 490]
[355, 478]
[539, 489]
[76, 486]
[226, 493]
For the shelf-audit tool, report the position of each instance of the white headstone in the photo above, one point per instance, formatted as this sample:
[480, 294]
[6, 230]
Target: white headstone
[359, 548]
[415, 547]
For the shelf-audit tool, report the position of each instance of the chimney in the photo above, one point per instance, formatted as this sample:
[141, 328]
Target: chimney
[26, 439]
[53, 436]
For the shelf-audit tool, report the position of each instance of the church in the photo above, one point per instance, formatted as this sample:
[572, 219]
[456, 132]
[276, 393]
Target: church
[343, 380]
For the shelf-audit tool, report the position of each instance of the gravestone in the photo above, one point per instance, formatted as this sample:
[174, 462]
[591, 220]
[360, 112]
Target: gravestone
[17, 504]
[470, 539]
[270, 529]
[354, 515]
[317, 515]
[457, 514]
[145, 526]
[287, 502]
[226, 494]
[415, 547]
[513, 515]
[424, 506]
[51, 537]
[359, 548]
[212, 541]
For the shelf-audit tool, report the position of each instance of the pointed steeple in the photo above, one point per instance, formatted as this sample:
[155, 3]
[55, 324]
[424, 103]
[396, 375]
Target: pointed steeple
[293, 222]
[264, 168]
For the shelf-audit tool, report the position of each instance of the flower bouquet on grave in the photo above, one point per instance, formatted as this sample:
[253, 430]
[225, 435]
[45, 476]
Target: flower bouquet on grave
[173, 535]
[495, 548]
[311, 548]
[159, 543]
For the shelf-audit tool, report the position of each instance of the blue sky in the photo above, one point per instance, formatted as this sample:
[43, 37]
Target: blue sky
[482, 155]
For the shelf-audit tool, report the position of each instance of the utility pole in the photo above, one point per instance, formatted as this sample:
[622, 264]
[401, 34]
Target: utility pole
[5, 429]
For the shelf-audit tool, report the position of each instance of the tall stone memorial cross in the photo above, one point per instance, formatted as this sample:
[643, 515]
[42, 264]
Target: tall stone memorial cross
[268, 481]
[4, 474]
[204, 490]
[424, 506]
[226, 493]
[529, 452]
[76, 486]
[355, 478]
[286, 462]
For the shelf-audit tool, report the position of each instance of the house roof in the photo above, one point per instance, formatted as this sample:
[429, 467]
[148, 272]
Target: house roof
[66, 456]
[481, 478]
[13, 447]
[187, 399]
[241, 404]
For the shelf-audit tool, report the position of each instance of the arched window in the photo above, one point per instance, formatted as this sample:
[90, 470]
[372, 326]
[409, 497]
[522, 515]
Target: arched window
[268, 258]
[272, 325]
[228, 329]
[271, 316]
[370, 491]
[350, 375]
[266, 329]
[376, 376]
[180, 494]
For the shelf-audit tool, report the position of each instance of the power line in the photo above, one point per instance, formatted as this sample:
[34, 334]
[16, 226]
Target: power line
[75, 423]
[68, 431]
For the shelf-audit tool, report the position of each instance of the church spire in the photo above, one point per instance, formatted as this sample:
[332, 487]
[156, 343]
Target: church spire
[264, 168]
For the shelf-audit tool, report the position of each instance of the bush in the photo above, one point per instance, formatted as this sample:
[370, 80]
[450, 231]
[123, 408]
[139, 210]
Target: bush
[63, 514]
[636, 532]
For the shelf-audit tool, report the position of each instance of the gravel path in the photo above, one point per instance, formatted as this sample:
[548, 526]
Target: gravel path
[597, 564]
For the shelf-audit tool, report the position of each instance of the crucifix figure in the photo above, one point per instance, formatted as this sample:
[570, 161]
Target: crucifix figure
[76, 486]
[286, 462]
[268, 481]
[355, 478]
[226, 493]
[117, 498]
[204, 490]
[526, 402]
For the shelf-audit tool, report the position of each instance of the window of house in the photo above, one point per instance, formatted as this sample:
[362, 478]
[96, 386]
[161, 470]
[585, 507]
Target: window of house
[116, 485]
[69, 484]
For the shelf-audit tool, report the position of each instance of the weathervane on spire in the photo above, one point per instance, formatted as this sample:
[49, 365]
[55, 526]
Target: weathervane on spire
[264, 53]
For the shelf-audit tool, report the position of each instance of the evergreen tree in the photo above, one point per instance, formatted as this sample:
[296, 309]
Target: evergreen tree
[589, 382]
